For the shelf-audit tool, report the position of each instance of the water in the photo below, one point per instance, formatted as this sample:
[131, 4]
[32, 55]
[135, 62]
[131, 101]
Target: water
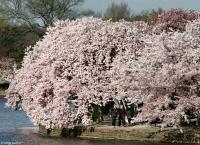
[17, 129]
[11, 118]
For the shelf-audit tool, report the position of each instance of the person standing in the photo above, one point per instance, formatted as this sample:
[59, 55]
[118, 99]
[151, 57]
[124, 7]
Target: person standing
[122, 114]
[114, 114]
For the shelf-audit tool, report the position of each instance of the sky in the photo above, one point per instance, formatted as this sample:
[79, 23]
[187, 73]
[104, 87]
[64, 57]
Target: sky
[140, 5]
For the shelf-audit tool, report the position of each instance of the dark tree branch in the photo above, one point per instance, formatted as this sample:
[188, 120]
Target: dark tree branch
[40, 13]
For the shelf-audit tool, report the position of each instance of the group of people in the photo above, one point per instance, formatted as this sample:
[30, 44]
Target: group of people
[119, 112]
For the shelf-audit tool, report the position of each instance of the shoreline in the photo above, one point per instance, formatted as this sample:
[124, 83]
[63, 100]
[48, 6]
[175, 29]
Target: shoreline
[2, 93]
[135, 133]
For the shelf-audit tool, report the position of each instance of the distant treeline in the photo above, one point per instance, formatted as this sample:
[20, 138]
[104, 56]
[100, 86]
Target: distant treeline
[117, 12]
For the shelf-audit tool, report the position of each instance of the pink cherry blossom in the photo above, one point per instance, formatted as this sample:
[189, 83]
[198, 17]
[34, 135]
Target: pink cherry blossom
[89, 60]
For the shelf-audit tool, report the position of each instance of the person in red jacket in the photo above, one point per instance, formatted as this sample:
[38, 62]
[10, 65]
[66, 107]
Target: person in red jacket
[122, 114]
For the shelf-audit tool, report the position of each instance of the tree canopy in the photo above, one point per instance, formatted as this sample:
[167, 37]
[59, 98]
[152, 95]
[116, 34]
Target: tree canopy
[89, 60]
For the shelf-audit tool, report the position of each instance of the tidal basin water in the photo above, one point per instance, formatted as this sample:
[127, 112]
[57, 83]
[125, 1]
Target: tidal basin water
[17, 129]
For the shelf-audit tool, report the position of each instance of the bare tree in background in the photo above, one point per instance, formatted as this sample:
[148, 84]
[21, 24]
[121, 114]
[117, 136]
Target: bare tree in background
[38, 14]
[117, 12]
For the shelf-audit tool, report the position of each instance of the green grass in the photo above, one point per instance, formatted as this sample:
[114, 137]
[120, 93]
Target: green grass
[2, 92]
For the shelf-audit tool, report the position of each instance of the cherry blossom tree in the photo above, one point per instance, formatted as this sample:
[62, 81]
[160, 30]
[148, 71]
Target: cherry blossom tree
[7, 66]
[88, 61]
[174, 19]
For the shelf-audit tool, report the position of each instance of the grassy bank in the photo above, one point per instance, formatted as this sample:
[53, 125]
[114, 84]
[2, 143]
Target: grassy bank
[142, 133]
[2, 92]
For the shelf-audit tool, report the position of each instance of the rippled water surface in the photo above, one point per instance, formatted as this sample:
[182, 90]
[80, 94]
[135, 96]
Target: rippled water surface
[12, 119]
[16, 129]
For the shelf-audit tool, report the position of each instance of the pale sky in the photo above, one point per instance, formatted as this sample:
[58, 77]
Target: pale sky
[140, 5]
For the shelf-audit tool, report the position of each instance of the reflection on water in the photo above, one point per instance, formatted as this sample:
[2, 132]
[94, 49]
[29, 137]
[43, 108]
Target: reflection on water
[16, 128]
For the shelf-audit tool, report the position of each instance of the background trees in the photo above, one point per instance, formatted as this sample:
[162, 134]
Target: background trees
[14, 40]
[149, 16]
[38, 14]
[117, 12]
[175, 19]
[23, 22]
[121, 11]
